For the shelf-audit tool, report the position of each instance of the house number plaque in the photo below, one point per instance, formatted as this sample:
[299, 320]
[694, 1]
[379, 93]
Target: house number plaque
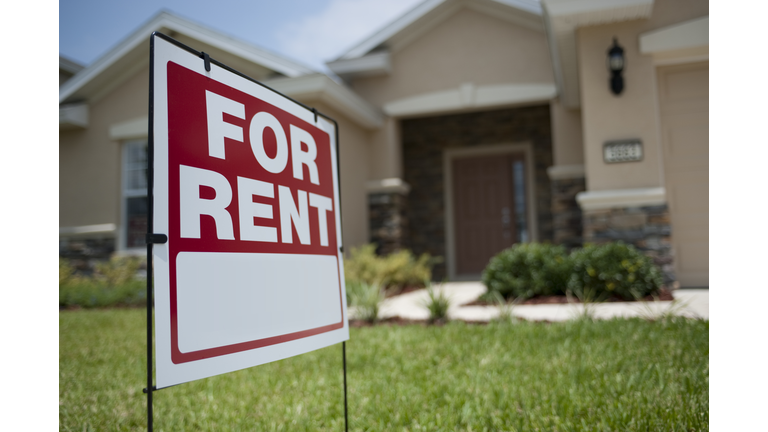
[623, 151]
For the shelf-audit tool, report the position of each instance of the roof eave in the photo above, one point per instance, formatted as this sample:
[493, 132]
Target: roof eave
[130, 49]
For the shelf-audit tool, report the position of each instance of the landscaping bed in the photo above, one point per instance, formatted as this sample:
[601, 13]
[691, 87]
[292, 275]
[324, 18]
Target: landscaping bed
[664, 295]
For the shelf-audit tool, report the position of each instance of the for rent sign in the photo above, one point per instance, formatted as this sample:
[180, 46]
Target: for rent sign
[246, 189]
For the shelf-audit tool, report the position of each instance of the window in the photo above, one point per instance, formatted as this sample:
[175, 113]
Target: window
[518, 178]
[135, 193]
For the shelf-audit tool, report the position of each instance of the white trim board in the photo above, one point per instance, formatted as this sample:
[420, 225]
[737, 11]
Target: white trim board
[469, 96]
[608, 199]
[526, 148]
[388, 185]
[104, 229]
[562, 172]
[131, 129]
[690, 34]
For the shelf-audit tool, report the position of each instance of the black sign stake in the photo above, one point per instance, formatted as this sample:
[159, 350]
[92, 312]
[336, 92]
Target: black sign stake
[153, 238]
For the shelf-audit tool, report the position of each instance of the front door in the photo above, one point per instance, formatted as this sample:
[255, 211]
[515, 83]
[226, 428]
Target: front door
[487, 211]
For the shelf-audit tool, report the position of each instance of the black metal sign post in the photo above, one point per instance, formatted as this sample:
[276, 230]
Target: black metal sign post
[159, 238]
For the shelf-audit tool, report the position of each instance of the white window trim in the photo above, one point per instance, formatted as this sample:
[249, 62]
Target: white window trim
[125, 193]
[526, 149]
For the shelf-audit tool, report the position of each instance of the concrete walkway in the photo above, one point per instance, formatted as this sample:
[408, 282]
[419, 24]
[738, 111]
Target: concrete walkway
[691, 303]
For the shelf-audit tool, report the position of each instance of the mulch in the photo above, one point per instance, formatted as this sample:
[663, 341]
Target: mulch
[664, 295]
[397, 321]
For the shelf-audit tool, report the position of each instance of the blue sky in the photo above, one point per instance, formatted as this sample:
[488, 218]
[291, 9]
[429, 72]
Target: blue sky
[309, 31]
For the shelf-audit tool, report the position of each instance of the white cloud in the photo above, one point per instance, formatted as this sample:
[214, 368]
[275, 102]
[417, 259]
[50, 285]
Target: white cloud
[313, 40]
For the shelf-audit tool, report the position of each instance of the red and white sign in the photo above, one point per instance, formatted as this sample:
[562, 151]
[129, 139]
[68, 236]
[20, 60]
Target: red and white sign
[246, 189]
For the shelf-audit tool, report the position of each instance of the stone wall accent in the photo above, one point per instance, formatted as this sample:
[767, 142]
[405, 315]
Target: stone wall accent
[425, 139]
[648, 228]
[84, 253]
[566, 214]
[388, 221]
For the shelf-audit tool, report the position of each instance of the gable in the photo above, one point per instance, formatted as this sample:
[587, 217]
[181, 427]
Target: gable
[469, 47]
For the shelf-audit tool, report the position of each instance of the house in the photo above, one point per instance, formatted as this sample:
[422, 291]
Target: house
[466, 126]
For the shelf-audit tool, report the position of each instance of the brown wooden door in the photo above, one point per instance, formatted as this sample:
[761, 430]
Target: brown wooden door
[483, 207]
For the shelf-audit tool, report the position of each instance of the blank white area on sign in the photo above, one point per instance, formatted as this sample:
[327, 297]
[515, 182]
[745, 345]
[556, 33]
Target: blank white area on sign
[230, 298]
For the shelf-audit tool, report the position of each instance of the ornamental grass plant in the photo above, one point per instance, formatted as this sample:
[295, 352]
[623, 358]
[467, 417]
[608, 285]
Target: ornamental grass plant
[365, 299]
[437, 303]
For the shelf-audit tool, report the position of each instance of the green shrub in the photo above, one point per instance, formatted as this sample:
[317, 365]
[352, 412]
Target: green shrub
[526, 270]
[613, 268]
[394, 271]
[366, 299]
[112, 283]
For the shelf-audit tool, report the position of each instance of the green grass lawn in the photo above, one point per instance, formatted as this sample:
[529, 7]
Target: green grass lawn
[619, 375]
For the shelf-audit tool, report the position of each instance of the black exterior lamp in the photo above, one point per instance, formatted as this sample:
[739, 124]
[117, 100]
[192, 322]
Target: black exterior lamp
[616, 63]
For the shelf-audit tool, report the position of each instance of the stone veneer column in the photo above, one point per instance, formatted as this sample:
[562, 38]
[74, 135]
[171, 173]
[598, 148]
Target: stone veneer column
[644, 223]
[388, 223]
[567, 181]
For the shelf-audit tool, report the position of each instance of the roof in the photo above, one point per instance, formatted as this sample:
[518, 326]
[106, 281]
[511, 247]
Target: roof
[132, 53]
[70, 66]
[370, 55]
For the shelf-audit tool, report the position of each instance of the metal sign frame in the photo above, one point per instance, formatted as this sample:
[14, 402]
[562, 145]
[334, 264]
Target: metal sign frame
[185, 366]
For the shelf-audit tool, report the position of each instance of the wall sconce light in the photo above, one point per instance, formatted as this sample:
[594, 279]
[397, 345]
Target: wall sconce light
[615, 63]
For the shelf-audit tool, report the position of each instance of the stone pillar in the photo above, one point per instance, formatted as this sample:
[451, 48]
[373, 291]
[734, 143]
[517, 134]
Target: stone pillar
[645, 225]
[388, 223]
[567, 181]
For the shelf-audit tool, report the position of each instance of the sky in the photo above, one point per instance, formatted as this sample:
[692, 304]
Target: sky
[308, 31]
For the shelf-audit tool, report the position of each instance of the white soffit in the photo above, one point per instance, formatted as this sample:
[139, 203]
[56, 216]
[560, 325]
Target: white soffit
[687, 35]
[319, 87]
[603, 200]
[133, 53]
[563, 17]
[469, 97]
[375, 64]
[73, 116]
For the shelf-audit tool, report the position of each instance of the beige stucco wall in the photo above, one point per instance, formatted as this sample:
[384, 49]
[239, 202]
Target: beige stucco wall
[633, 114]
[385, 158]
[468, 47]
[567, 144]
[89, 162]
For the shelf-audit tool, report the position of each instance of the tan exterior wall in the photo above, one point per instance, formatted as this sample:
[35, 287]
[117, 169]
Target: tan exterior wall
[633, 114]
[467, 47]
[385, 156]
[90, 163]
[567, 144]
[353, 160]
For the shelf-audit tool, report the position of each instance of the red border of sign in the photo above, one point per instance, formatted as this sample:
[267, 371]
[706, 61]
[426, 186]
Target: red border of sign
[179, 357]
[178, 245]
